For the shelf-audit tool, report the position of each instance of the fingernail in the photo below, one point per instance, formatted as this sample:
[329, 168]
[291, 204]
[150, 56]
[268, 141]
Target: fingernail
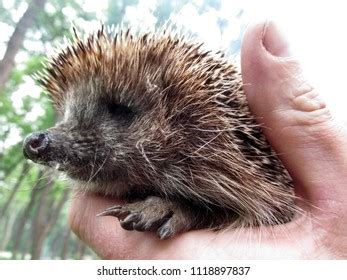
[275, 41]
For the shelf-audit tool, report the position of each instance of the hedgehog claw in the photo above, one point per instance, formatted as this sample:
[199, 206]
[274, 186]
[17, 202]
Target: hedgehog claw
[115, 211]
[129, 222]
[166, 230]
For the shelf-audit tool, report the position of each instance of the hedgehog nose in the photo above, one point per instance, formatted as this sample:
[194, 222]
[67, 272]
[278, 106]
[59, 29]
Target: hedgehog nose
[35, 145]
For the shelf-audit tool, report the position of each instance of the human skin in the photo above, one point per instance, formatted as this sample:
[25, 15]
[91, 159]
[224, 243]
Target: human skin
[311, 145]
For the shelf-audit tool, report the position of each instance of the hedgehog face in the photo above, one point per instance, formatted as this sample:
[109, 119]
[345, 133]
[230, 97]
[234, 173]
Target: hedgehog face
[100, 137]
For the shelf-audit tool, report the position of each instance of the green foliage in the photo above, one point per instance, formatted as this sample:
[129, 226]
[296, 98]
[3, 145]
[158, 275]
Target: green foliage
[15, 108]
[116, 10]
[165, 8]
[59, 25]
[5, 14]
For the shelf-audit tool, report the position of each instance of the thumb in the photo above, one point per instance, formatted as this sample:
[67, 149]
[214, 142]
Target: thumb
[296, 122]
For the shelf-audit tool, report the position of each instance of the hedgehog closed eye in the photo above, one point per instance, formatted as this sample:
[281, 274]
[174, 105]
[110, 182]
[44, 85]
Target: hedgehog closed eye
[121, 112]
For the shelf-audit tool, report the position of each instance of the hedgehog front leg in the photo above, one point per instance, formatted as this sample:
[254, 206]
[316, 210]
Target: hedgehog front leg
[165, 217]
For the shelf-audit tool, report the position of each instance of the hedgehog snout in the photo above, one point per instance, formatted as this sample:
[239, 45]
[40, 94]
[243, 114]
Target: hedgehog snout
[36, 145]
[40, 147]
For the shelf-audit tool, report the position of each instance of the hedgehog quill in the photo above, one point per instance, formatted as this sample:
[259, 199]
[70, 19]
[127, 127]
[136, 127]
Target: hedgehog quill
[164, 124]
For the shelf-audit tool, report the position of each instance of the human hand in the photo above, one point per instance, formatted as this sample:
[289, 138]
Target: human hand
[312, 146]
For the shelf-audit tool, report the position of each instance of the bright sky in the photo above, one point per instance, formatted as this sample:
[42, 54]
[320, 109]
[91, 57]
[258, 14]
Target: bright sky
[316, 30]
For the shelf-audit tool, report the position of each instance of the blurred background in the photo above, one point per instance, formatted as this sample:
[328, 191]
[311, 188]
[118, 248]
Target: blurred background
[33, 200]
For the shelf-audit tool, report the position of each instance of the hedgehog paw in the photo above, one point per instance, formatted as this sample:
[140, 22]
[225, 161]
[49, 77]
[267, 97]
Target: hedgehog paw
[151, 214]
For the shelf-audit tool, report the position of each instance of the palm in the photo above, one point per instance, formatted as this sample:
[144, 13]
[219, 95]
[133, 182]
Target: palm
[303, 238]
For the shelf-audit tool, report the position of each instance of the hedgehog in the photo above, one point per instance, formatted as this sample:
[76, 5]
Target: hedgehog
[160, 122]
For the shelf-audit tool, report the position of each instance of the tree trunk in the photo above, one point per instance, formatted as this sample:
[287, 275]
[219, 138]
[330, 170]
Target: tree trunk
[40, 220]
[65, 245]
[46, 216]
[6, 233]
[81, 250]
[26, 213]
[17, 38]
[14, 190]
[56, 244]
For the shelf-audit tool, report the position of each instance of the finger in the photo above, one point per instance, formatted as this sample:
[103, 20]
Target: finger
[296, 122]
